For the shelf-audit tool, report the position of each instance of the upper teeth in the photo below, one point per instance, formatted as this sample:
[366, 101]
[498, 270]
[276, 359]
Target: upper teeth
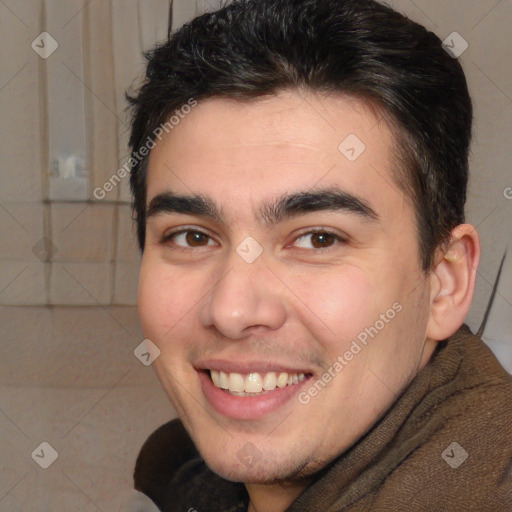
[254, 382]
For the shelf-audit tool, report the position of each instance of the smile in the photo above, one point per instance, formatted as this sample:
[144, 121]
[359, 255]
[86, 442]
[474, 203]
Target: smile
[247, 394]
[254, 383]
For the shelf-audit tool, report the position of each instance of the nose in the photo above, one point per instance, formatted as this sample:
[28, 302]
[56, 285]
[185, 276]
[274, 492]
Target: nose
[246, 297]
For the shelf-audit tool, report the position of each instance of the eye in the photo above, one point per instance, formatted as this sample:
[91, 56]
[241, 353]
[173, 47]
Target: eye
[320, 239]
[189, 238]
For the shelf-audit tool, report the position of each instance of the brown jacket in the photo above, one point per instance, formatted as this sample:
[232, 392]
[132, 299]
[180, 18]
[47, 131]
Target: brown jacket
[444, 445]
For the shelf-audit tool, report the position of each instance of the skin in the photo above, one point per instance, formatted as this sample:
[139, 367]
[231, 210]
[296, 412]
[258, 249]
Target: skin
[301, 302]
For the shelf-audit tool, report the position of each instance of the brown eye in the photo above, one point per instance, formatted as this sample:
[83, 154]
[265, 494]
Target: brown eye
[189, 238]
[196, 238]
[320, 240]
[317, 240]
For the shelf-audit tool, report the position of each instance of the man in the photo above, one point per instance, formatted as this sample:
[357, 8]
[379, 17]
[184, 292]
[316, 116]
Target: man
[299, 174]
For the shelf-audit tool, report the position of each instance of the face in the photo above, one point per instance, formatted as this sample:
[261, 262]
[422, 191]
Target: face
[282, 263]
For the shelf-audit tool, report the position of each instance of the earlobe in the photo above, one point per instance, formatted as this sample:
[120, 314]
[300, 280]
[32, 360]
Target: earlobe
[452, 282]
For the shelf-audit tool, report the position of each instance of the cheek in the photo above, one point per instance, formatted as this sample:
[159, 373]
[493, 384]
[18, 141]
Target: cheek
[164, 298]
[337, 304]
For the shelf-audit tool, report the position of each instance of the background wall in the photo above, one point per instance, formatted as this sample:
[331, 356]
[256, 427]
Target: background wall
[68, 259]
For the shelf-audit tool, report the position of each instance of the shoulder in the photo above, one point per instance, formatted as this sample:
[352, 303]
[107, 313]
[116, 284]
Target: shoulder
[161, 457]
[171, 472]
[481, 383]
[463, 457]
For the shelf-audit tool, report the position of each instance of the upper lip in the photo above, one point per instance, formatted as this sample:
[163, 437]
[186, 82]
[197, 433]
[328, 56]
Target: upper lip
[248, 366]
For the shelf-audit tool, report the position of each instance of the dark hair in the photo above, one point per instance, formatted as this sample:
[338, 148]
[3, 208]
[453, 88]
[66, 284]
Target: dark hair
[252, 48]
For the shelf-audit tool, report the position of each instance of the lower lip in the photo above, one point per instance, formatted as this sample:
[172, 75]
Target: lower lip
[247, 407]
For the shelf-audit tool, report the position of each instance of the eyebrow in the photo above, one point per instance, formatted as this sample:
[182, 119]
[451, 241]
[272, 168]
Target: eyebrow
[271, 212]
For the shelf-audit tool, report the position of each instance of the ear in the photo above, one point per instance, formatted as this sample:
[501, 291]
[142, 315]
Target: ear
[452, 282]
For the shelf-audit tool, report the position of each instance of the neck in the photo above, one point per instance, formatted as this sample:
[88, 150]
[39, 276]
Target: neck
[273, 497]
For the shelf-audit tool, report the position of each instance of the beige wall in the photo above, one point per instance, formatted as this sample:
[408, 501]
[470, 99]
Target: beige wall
[68, 261]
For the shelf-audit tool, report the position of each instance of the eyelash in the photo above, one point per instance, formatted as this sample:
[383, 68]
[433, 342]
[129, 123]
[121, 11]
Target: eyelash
[324, 231]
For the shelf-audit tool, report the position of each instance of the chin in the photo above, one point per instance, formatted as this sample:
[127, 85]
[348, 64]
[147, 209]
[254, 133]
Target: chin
[263, 469]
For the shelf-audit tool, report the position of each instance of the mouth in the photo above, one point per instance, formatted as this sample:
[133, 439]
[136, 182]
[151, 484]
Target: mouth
[254, 383]
[253, 394]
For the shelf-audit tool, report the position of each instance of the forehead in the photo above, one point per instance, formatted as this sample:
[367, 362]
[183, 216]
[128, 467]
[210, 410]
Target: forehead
[239, 151]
